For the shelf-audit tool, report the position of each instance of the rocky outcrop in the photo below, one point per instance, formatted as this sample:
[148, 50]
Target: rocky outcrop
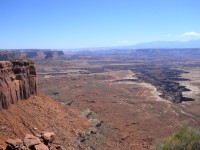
[31, 142]
[18, 54]
[53, 54]
[18, 81]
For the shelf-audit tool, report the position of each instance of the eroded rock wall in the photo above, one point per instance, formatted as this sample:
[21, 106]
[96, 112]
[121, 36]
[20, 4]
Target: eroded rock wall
[18, 54]
[18, 81]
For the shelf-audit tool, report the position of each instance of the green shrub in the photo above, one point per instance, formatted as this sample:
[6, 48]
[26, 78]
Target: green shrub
[186, 138]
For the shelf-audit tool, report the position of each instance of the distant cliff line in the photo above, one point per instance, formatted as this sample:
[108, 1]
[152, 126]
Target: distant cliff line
[29, 53]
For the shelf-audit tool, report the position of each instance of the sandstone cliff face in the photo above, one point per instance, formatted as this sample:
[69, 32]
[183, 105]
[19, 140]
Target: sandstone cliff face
[17, 54]
[18, 80]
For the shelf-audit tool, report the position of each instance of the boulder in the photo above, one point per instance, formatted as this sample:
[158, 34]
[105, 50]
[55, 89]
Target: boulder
[86, 113]
[48, 137]
[31, 140]
[95, 122]
[17, 143]
[41, 147]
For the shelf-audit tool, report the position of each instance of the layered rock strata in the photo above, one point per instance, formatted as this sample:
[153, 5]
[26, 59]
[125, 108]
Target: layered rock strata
[40, 54]
[18, 81]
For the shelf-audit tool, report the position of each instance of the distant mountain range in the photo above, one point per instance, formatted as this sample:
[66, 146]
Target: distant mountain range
[165, 44]
[146, 45]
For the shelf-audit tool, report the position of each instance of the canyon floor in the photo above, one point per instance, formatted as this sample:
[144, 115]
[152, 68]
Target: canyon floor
[132, 112]
[95, 101]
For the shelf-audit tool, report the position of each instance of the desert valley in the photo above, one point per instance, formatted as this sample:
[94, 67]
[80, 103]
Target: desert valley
[108, 99]
[99, 75]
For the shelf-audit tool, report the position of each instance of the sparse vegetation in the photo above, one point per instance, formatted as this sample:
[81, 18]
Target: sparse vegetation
[186, 138]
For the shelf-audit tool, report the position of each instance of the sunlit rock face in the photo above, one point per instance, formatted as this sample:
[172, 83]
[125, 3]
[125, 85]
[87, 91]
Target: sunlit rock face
[18, 81]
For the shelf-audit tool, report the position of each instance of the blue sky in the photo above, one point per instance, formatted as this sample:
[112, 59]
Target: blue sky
[96, 23]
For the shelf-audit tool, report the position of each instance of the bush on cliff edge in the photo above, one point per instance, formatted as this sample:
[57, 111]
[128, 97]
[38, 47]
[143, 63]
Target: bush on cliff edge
[186, 138]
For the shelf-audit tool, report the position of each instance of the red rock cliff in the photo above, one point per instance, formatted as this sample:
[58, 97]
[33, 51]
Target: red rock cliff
[18, 81]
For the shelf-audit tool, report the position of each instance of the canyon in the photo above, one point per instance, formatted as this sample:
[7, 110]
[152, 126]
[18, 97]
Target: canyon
[141, 96]
[114, 99]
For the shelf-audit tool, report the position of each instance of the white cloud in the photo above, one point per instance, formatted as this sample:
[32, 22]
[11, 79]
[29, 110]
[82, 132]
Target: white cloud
[191, 34]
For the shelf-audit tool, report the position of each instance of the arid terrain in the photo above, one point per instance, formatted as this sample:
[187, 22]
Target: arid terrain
[99, 75]
[141, 97]
[94, 100]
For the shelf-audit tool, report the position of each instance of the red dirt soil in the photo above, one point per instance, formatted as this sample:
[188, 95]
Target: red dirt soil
[133, 116]
[40, 113]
